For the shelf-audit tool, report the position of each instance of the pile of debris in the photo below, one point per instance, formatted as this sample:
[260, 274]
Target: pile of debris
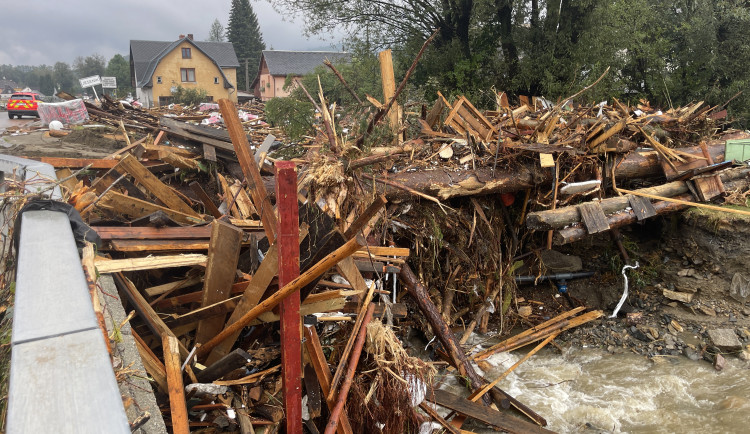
[221, 249]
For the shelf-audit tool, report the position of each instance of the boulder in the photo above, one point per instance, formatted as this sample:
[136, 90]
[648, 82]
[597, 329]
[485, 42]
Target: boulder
[725, 339]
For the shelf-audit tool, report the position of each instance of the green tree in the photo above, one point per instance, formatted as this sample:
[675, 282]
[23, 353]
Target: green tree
[119, 68]
[89, 65]
[63, 77]
[46, 84]
[244, 33]
[216, 33]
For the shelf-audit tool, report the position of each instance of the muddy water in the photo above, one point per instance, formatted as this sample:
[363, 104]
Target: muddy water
[587, 390]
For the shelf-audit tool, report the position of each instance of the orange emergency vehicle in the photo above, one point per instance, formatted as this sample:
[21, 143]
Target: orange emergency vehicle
[23, 104]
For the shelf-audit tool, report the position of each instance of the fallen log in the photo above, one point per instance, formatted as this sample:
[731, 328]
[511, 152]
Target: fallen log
[561, 217]
[445, 184]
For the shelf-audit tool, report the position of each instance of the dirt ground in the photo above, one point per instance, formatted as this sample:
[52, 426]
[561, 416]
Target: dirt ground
[80, 143]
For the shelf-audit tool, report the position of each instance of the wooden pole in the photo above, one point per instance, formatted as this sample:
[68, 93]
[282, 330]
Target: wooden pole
[177, 406]
[291, 342]
[249, 168]
[353, 361]
[308, 276]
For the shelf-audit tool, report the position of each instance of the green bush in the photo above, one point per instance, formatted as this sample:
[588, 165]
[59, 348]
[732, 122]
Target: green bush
[189, 96]
[293, 116]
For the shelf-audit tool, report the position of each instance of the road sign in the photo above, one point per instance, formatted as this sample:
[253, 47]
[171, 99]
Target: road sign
[90, 81]
[109, 82]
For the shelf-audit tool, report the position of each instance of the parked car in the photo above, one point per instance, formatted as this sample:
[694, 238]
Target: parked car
[23, 104]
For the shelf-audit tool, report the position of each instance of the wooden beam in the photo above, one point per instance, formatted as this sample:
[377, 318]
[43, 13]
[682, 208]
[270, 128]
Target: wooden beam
[104, 266]
[177, 405]
[150, 233]
[223, 255]
[482, 413]
[154, 367]
[142, 308]
[389, 87]
[205, 199]
[249, 168]
[305, 278]
[162, 191]
[234, 360]
[323, 372]
[291, 344]
[139, 208]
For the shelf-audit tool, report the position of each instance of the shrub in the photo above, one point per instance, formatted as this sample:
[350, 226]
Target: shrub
[293, 116]
[189, 96]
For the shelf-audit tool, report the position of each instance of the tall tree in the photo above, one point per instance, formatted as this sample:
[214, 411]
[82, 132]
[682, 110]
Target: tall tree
[244, 33]
[63, 77]
[119, 68]
[90, 65]
[216, 33]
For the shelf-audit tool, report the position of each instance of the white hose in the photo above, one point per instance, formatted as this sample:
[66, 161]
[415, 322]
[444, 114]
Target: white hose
[625, 292]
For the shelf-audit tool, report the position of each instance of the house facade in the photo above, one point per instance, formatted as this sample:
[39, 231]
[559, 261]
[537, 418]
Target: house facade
[276, 66]
[157, 68]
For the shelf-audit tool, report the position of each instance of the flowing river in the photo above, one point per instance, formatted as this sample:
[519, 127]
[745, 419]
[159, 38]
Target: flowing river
[590, 391]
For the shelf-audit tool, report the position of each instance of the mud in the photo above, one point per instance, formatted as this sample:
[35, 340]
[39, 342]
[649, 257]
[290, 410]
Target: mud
[80, 143]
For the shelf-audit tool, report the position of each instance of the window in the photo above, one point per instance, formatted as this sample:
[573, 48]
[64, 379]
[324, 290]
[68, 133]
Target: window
[216, 80]
[158, 79]
[186, 54]
[165, 100]
[188, 74]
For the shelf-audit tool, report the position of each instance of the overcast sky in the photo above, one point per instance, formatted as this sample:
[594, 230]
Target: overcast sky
[35, 32]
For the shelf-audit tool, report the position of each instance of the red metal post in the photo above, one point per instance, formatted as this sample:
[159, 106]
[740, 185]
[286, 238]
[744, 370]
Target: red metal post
[291, 339]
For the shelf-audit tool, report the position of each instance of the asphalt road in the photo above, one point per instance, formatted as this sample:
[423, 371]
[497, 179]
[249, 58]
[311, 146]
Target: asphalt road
[6, 122]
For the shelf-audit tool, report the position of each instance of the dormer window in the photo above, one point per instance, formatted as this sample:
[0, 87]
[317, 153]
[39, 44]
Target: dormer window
[158, 79]
[186, 53]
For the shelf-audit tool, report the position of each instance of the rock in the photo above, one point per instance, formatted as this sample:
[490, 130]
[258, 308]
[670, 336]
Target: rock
[691, 354]
[653, 332]
[720, 362]
[744, 355]
[640, 335]
[678, 296]
[725, 339]
[634, 318]
[707, 310]
[685, 272]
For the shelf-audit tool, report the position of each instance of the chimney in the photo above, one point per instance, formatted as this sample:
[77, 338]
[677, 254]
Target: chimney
[190, 36]
[182, 36]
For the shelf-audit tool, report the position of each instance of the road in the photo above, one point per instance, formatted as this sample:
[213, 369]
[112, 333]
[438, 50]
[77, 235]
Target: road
[5, 122]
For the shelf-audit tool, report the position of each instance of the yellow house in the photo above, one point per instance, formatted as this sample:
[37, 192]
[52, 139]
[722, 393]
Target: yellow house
[158, 67]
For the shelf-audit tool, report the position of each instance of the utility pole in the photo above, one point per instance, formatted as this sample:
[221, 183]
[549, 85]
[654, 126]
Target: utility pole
[247, 76]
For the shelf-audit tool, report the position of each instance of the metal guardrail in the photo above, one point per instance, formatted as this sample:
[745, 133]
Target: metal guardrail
[61, 377]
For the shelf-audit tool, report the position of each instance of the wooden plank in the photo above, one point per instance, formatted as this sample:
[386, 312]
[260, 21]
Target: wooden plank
[155, 245]
[323, 372]
[434, 115]
[209, 152]
[250, 298]
[389, 87]
[593, 217]
[223, 255]
[482, 413]
[79, 163]
[642, 207]
[205, 199]
[154, 367]
[195, 297]
[249, 167]
[139, 208]
[177, 405]
[384, 251]
[213, 311]
[244, 204]
[708, 187]
[288, 242]
[162, 191]
[265, 146]
[229, 197]
[141, 306]
[145, 232]
[310, 275]
[171, 286]
[236, 359]
[104, 266]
